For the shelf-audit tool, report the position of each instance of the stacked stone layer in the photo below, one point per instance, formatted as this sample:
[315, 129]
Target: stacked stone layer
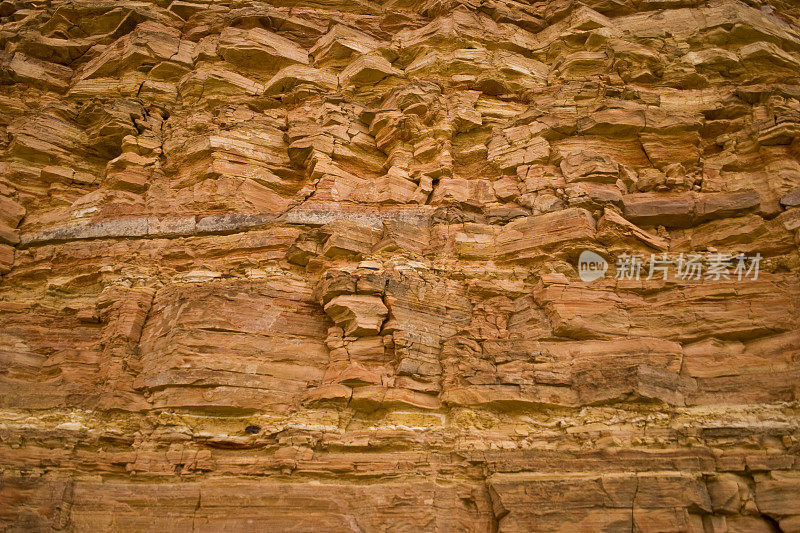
[312, 266]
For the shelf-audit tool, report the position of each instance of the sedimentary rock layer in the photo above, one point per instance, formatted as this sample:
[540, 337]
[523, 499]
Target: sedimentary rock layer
[314, 266]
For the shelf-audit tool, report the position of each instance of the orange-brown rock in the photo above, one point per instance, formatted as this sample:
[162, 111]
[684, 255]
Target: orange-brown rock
[316, 266]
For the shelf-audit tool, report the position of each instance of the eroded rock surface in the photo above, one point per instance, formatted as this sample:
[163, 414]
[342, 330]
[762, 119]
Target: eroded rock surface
[312, 266]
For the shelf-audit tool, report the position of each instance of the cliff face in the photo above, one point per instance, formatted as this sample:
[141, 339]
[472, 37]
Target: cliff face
[315, 266]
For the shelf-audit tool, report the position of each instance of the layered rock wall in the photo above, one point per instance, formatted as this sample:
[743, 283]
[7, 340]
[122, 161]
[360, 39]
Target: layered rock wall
[314, 266]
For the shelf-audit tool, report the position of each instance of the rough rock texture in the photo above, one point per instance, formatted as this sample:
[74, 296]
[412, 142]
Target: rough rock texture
[312, 265]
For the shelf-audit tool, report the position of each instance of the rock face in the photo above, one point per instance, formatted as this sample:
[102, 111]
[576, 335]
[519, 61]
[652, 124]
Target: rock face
[313, 266]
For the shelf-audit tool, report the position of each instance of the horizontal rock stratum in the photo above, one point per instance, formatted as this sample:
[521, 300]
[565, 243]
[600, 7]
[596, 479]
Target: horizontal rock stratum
[316, 266]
